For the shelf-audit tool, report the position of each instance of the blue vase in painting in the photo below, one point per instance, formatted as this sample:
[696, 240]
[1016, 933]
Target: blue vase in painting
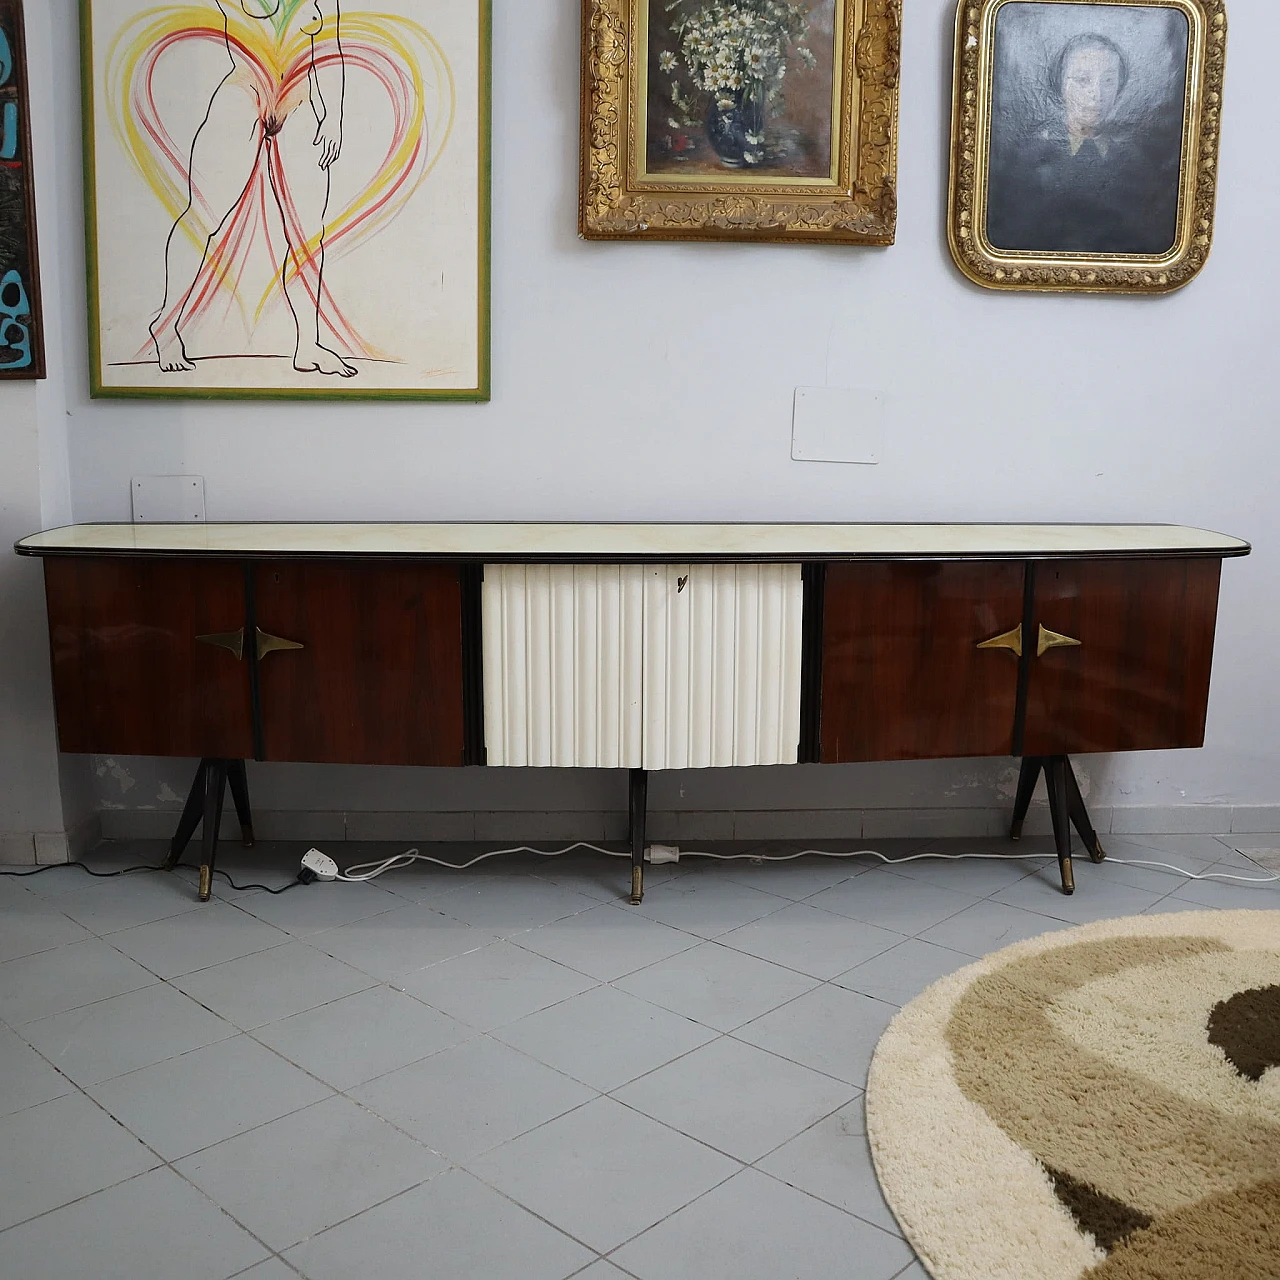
[736, 131]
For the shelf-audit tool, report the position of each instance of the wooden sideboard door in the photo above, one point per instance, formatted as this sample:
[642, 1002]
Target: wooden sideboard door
[1139, 678]
[131, 675]
[375, 674]
[902, 676]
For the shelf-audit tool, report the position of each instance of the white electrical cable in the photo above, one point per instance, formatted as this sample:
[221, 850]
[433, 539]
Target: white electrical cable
[371, 870]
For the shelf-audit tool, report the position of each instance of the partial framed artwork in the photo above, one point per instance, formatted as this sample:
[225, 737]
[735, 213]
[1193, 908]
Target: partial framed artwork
[1085, 142]
[740, 120]
[21, 321]
[288, 199]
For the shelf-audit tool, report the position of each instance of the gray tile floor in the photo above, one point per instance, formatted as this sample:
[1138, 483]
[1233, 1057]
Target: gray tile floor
[494, 1073]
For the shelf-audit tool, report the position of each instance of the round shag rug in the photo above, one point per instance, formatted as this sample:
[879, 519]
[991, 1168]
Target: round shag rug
[1103, 1102]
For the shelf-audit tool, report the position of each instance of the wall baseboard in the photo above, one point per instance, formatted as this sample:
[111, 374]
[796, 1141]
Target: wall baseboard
[522, 826]
[51, 848]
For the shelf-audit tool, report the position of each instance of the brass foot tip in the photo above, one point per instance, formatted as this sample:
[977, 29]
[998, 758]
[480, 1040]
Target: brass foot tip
[206, 883]
[247, 838]
[1068, 881]
[1015, 831]
[637, 885]
[1098, 853]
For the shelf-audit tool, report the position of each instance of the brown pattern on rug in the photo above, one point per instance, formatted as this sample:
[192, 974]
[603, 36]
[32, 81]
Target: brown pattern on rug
[1247, 1029]
[1234, 1236]
[1054, 1098]
[1106, 1220]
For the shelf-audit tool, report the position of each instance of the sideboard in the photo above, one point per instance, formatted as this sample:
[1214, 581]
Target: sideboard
[629, 646]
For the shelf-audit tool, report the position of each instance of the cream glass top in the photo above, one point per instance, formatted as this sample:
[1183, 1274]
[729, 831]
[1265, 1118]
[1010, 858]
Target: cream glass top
[603, 542]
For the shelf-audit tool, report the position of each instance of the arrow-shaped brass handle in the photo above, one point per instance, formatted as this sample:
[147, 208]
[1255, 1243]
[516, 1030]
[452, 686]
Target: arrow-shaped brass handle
[231, 641]
[1011, 640]
[273, 644]
[1053, 640]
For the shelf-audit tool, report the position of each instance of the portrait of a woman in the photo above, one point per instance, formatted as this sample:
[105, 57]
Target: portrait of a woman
[1086, 129]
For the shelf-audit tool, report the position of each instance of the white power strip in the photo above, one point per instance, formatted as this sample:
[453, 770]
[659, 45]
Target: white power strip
[320, 865]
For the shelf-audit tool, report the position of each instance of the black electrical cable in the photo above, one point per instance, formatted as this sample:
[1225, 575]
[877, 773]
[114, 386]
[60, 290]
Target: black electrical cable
[126, 871]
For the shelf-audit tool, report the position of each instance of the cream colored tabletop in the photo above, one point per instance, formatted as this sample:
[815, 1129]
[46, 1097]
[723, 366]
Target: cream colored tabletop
[667, 542]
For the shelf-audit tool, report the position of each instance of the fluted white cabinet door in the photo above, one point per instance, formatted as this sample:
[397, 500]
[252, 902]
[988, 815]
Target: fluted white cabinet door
[654, 666]
[722, 646]
[562, 664]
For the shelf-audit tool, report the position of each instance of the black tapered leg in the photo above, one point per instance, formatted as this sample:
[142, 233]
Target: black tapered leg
[1028, 776]
[215, 786]
[191, 813]
[1080, 816]
[639, 797]
[239, 782]
[1055, 774]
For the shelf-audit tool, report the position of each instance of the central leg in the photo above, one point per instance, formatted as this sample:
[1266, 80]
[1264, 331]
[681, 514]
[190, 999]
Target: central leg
[1055, 776]
[639, 790]
[215, 786]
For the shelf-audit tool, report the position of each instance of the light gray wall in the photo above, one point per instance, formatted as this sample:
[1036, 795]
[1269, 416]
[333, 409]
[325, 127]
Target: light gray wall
[655, 381]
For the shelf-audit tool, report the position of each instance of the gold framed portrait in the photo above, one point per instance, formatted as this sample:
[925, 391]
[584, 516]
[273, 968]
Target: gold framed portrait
[740, 120]
[1084, 142]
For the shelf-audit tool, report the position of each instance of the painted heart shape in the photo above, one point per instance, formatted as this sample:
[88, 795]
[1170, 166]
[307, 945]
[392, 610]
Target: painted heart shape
[397, 56]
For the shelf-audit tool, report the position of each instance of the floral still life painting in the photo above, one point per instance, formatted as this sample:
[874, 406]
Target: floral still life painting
[740, 119]
[745, 85]
[287, 198]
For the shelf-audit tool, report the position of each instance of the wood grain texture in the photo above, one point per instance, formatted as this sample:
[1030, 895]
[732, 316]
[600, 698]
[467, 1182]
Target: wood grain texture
[129, 676]
[380, 678]
[1139, 681]
[902, 678]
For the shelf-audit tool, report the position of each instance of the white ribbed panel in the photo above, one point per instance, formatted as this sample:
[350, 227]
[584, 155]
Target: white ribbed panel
[722, 665]
[562, 664]
[616, 666]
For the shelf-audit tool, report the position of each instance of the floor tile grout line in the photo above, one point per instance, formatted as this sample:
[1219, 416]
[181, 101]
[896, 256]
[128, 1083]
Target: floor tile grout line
[813, 1195]
[163, 1163]
[748, 1164]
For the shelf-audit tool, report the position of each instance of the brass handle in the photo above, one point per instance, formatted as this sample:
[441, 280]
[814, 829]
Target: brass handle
[1011, 640]
[1053, 640]
[273, 644]
[231, 641]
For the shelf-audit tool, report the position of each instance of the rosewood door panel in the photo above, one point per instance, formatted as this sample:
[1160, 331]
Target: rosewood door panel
[378, 678]
[1139, 678]
[130, 675]
[902, 676]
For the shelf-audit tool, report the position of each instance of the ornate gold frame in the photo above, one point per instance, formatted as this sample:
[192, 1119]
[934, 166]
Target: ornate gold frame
[1105, 273]
[860, 207]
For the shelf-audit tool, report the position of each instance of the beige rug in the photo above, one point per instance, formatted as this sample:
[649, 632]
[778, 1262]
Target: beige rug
[1102, 1102]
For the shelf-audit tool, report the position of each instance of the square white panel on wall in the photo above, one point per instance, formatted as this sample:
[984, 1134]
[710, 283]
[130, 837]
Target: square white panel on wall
[168, 499]
[837, 424]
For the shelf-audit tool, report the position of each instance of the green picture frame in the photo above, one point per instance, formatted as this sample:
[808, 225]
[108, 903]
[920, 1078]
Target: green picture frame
[314, 223]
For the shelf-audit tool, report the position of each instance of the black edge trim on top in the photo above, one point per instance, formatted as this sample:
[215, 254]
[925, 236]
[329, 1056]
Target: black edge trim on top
[471, 578]
[453, 557]
[814, 579]
[251, 652]
[1024, 662]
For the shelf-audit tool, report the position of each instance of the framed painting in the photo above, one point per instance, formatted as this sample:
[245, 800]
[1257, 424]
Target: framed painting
[740, 120]
[21, 322]
[287, 198]
[1085, 142]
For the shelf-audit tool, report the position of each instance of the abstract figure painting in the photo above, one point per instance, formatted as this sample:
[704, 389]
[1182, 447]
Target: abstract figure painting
[21, 338]
[1084, 142]
[288, 198]
[740, 120]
